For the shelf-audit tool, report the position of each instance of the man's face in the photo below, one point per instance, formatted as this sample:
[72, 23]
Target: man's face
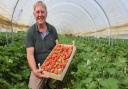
[40, 14]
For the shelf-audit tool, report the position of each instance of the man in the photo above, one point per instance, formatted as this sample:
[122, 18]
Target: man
[40, 40]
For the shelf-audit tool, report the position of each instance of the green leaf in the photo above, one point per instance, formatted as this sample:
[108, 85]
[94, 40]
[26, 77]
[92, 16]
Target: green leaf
[4, 84]
[110, 83]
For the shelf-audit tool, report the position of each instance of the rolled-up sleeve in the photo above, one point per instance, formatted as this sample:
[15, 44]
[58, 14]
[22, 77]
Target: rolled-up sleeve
[29, 39]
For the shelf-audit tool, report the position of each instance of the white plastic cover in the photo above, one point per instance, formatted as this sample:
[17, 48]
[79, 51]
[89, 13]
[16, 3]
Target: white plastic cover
[79, 17]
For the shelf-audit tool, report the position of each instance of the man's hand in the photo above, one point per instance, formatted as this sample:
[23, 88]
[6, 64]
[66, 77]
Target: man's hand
[39, 73]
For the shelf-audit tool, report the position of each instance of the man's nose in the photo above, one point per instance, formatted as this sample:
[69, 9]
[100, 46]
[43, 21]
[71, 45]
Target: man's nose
[40, 13]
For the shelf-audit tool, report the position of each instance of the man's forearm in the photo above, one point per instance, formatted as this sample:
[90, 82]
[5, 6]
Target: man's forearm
[31, 62]
[31, 59]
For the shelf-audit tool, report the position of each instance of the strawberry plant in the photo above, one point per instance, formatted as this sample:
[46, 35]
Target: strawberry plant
[96, 65]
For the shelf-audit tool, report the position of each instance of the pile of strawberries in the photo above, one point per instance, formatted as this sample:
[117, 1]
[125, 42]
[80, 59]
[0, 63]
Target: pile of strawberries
[57, 59]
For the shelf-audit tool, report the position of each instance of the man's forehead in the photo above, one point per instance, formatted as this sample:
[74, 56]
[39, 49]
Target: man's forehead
[39, 7]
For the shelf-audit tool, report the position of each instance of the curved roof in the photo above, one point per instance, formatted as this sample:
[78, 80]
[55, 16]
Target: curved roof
[71, 16]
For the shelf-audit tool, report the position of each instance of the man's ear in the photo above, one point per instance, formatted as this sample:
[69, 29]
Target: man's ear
[46, 14]
[34, 13]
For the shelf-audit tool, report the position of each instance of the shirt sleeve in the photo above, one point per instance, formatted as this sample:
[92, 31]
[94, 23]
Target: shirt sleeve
[29, 39]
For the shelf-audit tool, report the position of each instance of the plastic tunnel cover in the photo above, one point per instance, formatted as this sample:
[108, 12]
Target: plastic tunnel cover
[79, 17]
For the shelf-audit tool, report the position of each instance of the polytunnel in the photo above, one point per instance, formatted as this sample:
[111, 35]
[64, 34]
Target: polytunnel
[83, 17]
[89, 51]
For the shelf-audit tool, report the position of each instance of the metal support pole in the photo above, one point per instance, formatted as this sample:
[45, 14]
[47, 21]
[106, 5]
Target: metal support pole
[12, 30]
[109, 24]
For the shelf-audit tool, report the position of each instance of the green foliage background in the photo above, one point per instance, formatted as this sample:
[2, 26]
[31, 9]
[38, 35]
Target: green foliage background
[96, 65]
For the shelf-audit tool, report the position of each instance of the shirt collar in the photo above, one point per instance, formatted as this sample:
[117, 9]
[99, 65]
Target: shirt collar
[48, 27]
